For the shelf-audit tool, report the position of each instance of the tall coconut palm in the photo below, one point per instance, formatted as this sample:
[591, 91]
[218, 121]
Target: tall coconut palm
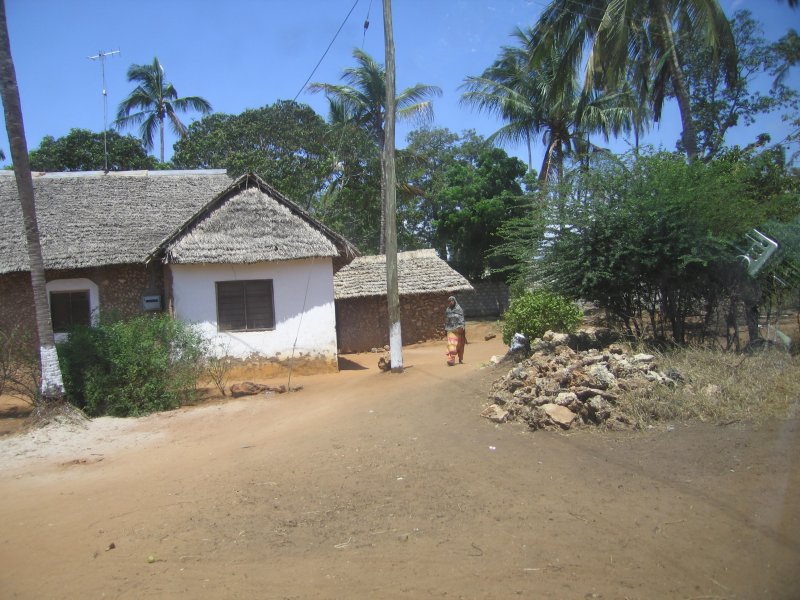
[362, 100]
[533, 102]
[153, 101]
[626, 38]
[52, 385]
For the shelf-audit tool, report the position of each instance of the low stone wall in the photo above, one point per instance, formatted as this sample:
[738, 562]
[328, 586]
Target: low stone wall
[363, 323]
[489, 299]
[120, 291]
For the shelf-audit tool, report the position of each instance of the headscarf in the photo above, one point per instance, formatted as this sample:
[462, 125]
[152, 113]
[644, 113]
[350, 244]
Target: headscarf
[453, 315]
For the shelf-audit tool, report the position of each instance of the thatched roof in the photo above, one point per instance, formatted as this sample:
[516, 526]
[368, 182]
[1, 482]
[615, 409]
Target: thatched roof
[251, 222]
[418, 272]
[92, 219]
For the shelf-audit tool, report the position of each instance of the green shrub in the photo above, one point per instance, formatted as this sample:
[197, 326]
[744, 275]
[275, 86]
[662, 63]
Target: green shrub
[131, 367]
[534, 313]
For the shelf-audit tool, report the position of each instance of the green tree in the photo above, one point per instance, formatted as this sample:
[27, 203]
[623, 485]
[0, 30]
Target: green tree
[153, 101]
[633, 43]
[717, 104]
[532, 102]
[52, 384]
[649, 251]
[481, 192]
[285, 143]
[83, 150]
[362, 100]
[788, 50]
[348, 201]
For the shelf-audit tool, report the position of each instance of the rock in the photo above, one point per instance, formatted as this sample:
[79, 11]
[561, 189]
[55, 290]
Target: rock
[599, 409]
[495, 413]
[501, 397]
[560, 415]
[247, 388]
[514, 384]
[556, 339]
[604, 378]
[640, 358]
[674, 374]
[565, 399]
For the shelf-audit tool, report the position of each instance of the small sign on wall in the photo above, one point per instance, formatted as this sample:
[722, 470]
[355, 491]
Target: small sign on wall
[150, 303]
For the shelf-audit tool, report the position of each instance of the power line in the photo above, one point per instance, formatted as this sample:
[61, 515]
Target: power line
[352, 8]
[366, 25]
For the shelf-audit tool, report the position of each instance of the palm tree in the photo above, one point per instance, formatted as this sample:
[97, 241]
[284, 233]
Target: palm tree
[52, 385]
[533, 102]
[634, 41]
[153, 101]
[362, 101]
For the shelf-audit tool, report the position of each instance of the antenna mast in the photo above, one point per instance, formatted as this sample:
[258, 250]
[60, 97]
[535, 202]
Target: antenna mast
[101, 56]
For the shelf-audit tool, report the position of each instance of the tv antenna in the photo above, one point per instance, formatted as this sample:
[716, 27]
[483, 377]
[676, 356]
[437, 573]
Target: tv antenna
[101, 56]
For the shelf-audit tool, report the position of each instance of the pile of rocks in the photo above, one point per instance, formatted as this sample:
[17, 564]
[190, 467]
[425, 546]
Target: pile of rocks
[559, 387]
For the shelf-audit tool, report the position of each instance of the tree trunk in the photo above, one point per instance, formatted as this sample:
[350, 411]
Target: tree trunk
[389, 203]
[52, 385]
[161, 134]
[688, 135]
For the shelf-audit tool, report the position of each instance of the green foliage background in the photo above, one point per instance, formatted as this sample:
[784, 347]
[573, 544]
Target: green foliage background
[534, 313]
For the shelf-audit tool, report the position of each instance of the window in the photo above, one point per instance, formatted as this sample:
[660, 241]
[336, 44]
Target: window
[68, 309]
[245, 305]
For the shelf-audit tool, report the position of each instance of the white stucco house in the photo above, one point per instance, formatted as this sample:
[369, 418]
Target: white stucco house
[236, 258]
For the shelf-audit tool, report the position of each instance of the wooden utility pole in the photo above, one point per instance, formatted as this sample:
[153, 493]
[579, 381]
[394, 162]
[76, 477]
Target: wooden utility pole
[390, 199]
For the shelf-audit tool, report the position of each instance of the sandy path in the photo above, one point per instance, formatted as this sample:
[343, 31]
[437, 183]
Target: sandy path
[373, 485]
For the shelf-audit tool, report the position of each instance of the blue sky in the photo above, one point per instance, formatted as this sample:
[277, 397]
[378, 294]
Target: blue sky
[242, 54]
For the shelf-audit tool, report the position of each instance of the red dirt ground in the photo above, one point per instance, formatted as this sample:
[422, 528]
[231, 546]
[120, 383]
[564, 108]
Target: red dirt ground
[373, 485]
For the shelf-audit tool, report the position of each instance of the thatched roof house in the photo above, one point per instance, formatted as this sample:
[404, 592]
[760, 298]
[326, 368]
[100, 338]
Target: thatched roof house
[424, 281]
[93, 219]
[233, 257]
[249, 222]
[418, 272]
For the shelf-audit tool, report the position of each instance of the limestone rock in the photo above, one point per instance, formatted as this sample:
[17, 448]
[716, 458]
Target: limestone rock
[495, 413]
[560, 415]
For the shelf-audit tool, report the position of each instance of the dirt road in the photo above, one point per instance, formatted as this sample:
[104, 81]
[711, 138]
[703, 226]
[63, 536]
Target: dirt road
[372, 485]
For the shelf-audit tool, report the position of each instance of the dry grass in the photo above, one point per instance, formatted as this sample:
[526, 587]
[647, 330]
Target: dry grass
[720, 387]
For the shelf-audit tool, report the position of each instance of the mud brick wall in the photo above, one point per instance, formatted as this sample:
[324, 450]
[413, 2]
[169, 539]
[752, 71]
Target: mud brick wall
[490, 299]
[16, 305]
[120, 291]
[363, 323]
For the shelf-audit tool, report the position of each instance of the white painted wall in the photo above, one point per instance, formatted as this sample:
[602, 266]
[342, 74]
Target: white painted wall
[314, 327]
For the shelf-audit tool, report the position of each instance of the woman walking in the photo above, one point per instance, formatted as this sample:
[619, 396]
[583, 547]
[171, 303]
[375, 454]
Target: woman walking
[455, 328]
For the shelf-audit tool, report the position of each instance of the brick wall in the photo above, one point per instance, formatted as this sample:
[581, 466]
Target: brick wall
[490, 299]
[363, 323]
[120, 291]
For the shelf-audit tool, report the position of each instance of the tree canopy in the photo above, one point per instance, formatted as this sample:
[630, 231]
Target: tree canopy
[84, 150]
[286, 143]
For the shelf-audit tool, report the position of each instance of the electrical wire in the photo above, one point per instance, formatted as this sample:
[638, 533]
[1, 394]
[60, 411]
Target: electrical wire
[366, 25]
[324, 54]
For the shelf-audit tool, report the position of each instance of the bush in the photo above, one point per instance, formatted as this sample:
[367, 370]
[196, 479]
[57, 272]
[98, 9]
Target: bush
[535, 313]
[131, 367]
